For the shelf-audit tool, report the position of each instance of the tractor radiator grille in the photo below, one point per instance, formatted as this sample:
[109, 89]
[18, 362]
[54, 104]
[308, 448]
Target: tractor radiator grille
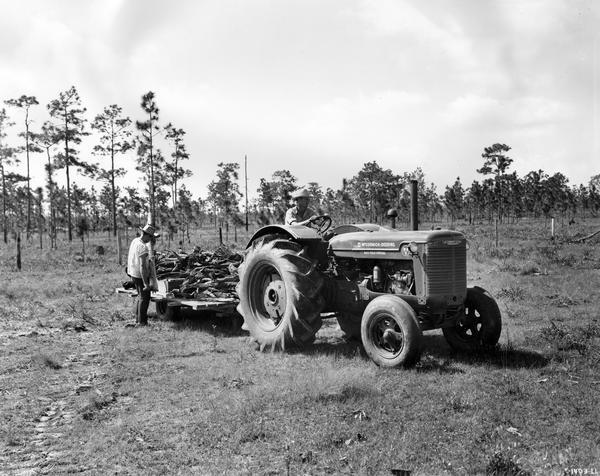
[446, 269]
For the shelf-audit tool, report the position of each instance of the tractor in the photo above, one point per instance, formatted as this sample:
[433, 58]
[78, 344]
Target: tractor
[384, 286]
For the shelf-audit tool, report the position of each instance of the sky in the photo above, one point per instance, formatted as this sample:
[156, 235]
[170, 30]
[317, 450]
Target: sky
[320, 87]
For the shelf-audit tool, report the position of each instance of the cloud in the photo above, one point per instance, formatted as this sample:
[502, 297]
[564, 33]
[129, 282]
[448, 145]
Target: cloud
[369, 124]
[442, 38]
[391, 18]
[471, 109]
[518, 112]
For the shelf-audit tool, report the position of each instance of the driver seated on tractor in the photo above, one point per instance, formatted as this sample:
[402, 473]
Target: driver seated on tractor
[300, 214]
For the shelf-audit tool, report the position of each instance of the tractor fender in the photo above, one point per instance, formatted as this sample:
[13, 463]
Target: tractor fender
[295, 232]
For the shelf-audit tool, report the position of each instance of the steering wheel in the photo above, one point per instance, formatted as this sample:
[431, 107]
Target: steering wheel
[322, 222]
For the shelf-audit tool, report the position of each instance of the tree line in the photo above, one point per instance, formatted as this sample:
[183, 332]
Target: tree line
[71, 207]
[367, 196]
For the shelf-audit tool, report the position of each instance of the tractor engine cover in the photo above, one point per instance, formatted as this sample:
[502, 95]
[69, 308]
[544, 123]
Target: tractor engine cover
[436, 260]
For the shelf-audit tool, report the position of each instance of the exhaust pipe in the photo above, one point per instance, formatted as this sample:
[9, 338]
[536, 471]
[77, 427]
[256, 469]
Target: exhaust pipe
[414, 205]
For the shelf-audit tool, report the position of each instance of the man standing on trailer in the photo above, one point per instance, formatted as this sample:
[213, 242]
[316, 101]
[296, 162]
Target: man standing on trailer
[300, 214]
[138, 267]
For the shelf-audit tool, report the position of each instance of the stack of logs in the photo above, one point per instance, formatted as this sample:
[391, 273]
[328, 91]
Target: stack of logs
[199, 274]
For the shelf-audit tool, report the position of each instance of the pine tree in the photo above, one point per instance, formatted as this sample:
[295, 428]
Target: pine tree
[496, 162]
[6, 154]
[147, 159]
[70, 128]
[174, 169]
[454, 199]
[45, 140]
[224, 193]
[25, 102]
[114, 132]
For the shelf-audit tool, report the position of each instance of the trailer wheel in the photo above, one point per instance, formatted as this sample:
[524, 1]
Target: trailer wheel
[479, 327]
[390, 332]
[279, 291]
[166, 312]
[350, 325]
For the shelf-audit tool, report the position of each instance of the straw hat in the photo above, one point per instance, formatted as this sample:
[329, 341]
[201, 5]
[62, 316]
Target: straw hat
[150, 230]
[301, 193]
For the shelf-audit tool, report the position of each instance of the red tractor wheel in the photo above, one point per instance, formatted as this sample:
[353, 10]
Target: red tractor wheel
[279, 291]
[390, 332]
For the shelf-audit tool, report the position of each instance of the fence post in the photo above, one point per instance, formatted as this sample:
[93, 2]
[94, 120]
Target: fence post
[496, 227]
[19, 251]
[220, 235]
[119, 253]
[552, 228]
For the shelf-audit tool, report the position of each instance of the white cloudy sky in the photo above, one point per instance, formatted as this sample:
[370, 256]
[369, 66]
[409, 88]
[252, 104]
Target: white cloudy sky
[319, 87]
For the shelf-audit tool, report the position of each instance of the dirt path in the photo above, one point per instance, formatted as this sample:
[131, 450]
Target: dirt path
[70, 387]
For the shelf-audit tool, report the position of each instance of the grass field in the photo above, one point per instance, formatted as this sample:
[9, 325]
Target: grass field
[83, 392]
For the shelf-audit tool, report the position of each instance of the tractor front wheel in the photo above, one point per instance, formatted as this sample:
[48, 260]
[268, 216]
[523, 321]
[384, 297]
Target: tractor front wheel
[279, 291]
[390, 332]
[479, 326]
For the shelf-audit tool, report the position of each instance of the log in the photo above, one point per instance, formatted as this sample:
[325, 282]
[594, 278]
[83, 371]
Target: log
[205, 274]
[581, 240]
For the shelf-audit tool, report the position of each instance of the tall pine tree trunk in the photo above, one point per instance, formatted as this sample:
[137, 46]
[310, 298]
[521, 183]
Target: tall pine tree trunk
[52, 225]
[70, 227]
[175, 181]
[152, 189]
[112, 184]
[4, 224]
[40, 218]
[28, 176]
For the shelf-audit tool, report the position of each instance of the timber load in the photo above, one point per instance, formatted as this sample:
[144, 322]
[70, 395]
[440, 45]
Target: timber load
[199, 274]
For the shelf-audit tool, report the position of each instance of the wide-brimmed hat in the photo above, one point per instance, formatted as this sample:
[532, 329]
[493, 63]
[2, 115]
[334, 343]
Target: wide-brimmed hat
[301, 193]
[150, 230]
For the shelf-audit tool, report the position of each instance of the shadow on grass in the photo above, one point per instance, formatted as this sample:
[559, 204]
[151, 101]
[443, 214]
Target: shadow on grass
[500, 356]
[334, 346]
[437, 355]
[220, 325]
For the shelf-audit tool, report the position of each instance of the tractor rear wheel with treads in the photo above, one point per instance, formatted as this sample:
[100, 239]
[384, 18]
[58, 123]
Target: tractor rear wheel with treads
[279, 291]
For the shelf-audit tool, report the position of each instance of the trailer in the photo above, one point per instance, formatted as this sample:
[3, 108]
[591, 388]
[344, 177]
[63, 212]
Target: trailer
[168, 305]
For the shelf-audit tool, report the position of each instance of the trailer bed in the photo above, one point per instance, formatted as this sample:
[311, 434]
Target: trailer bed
[197, 304]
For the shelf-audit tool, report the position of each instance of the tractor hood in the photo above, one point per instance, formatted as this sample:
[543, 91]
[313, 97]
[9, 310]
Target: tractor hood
[388, 239]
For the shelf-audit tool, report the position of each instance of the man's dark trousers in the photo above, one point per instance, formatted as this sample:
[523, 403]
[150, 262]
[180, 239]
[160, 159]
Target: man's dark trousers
[143, 301]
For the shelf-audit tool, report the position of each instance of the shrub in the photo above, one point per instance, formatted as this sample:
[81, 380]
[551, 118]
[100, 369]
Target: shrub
[514, 293]
[503, 465]
[566, 339]
[47, 360]
[530, 268]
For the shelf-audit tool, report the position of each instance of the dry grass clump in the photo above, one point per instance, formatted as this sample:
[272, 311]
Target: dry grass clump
[530, 268]
[502, 464]
[582, 339]
[337, 384]
[93, 401]
[513, 293]
[47, 360]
